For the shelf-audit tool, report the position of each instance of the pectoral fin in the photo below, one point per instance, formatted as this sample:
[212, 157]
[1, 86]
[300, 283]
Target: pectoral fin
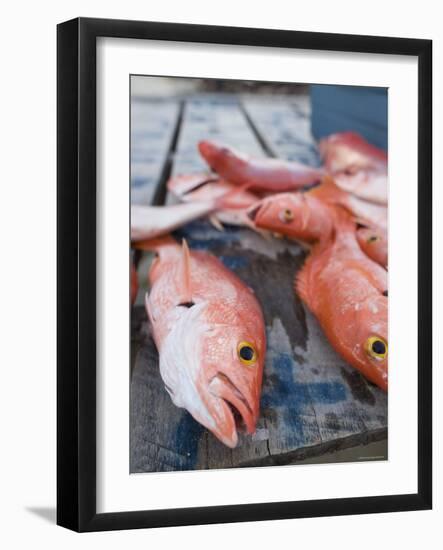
[215, 222]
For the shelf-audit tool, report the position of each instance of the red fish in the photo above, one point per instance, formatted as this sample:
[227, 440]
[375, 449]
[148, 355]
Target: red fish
[374, 243]
[357, 166]
[373, 215]
[345, 289]
[148, 222]
[200, 188]
[301, 216]
[182, 184]
[231, 200]
[349, 151]
[210, 334]
[263, 174]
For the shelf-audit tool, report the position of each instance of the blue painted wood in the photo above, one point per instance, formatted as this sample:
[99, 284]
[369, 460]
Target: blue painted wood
[343, 108]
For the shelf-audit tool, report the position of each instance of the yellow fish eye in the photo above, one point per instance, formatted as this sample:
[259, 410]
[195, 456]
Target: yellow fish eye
[287, 215]
[376, 347]
[246, 353]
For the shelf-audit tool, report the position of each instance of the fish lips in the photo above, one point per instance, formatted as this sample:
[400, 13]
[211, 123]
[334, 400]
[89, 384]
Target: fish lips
[255, 209]
[236, 405]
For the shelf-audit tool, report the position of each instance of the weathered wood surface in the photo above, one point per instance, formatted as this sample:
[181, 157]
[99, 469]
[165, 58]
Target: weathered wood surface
[312, 401]
[152, 131]
[284, 127]
[217, 120]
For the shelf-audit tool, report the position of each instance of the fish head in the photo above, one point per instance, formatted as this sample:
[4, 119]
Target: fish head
[296, 215]
[234, 358]
[212, 152]
[373, 242]
[215, 370]
[370, 335]
[220, 157]
[349, 152]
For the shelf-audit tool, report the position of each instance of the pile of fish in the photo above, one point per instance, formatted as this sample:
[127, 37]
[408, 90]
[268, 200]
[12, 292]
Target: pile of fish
[208, 325]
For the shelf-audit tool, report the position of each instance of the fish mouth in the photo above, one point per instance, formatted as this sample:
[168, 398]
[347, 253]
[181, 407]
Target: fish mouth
[256, 211]
[253, 211]
[235, 404]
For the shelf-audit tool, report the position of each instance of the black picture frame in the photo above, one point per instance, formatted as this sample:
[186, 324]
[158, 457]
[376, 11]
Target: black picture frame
[76, 273]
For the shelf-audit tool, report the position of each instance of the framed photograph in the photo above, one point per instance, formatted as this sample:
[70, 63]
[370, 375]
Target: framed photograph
[244, 245]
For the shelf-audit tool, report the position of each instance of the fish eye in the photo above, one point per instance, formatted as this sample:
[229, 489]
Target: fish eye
[246, 353]
[287, 215]
[373, 239]
[351, 170]
[376, 347]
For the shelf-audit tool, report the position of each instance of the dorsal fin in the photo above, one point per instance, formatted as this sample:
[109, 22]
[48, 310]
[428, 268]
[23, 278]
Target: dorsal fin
[185, 275]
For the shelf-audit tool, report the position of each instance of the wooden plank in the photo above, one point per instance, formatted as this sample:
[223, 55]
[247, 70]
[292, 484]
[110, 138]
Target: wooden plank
[152, 129]
[285, 127]
[217, 119]
[310, 398]
[312, 402]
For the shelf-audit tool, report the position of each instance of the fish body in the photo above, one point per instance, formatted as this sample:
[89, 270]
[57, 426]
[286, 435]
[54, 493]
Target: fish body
[350, 151]
[347, 292]
[210, 334]
[262, 174]
[232, 201]
[341, 285]
[305, 207]
[369, 185]
[181, 185]
[198, 188]
[374, 215]
[148, 222]
[374, 243]
[357, 166]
